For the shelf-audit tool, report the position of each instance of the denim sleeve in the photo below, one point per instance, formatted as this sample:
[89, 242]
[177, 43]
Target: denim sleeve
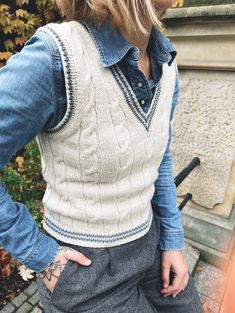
[164, 199]
[26, 109]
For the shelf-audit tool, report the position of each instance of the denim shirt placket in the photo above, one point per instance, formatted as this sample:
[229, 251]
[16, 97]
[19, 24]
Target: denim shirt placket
[139, 82]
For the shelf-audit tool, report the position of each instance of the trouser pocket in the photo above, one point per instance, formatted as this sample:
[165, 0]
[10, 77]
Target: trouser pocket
[115, 268]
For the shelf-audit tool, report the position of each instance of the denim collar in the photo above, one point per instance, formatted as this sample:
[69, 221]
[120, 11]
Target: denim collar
[113, 47]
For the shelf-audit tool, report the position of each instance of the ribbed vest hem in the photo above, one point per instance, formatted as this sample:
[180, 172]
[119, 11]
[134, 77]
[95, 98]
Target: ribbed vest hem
[58, 231]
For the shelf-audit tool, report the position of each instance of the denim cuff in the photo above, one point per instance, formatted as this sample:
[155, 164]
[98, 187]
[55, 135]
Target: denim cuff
[42, 254]
[171, 240]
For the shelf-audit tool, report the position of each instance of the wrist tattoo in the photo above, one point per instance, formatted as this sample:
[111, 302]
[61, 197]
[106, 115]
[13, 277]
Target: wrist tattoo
[49, 272]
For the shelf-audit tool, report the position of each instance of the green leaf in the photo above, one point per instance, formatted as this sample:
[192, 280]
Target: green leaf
[4, 20]
[20, 41]
[21, 2]
[34, 20]
[21, 13]
[5, 55]
[8, 29]
[9, 44]
[3, 8]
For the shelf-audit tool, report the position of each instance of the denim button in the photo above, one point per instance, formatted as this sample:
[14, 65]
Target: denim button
[140, 84]
[142, 101]
[135, 53]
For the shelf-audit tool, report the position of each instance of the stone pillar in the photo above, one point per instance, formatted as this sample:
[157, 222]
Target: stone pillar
[204, 121]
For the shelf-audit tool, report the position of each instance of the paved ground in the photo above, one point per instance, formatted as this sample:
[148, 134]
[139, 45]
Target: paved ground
[209, 280]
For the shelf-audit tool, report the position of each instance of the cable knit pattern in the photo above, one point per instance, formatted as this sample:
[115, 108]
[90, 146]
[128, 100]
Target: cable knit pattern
[101, 161]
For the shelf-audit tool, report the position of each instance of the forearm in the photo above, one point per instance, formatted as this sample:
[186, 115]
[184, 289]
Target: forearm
[165, 207]
[20, 236]
[164, 199]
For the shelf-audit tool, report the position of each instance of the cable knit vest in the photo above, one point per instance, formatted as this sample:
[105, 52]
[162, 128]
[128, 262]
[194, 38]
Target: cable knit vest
[100, 162]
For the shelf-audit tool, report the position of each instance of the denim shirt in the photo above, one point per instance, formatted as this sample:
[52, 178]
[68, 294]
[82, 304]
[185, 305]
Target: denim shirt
[33, 99]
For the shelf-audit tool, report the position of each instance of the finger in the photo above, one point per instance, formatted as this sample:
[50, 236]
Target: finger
[187, 279]
[180, 290]
[182, 287]
[171, 292]
[176, 286]
[176, 293]
[177, 282]
[76, 256]
[165, 275]
[168, 292]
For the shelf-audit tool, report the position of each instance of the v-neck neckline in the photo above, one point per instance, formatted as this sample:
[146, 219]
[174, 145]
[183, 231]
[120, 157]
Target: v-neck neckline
[131, 99]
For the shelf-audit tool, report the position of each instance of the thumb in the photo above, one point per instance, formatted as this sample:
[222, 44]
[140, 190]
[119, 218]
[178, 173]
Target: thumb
[78, 257]
[165, 275]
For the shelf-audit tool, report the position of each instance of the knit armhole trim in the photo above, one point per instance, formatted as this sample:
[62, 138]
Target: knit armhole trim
[71, 77]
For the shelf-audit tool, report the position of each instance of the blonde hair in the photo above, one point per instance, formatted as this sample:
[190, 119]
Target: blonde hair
[129, 14]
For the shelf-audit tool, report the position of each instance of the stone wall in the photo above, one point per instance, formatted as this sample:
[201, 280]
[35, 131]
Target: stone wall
[204, 118]
[193, 3]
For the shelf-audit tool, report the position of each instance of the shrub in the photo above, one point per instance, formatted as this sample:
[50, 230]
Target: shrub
[18, 22]
[24, 181]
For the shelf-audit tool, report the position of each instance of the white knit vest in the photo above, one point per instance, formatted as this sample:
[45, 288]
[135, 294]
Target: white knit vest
[101, 161]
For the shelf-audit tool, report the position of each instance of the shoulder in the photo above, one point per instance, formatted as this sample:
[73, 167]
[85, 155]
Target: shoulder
[40, 49]
[44, 37]
[61, 34]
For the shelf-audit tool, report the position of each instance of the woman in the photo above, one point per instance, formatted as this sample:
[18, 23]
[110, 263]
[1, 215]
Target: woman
[98, 92]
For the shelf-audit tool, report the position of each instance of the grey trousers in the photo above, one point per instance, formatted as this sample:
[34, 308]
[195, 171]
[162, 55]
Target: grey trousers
[121, 279]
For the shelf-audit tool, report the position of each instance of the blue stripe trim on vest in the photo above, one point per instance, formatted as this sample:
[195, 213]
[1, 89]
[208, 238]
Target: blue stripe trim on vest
[69, 90]
[132, 101]
[97, 238]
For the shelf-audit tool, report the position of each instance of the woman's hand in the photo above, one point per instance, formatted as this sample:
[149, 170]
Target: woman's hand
[51, 274]
[174, 261]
